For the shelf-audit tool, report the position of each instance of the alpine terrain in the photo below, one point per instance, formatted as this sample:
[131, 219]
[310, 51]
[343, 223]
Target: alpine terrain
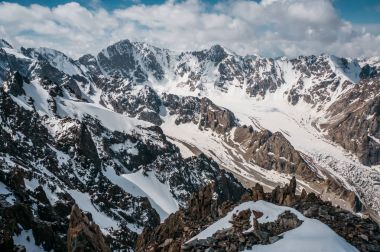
[139, 148]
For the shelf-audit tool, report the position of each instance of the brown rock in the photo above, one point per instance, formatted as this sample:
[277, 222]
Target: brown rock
[303, 194]
[273, 151]
[83, 234]
[217, 118]
[257, 192]
[257, 214]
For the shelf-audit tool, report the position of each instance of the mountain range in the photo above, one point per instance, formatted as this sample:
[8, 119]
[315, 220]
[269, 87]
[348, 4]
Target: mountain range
[155, 146]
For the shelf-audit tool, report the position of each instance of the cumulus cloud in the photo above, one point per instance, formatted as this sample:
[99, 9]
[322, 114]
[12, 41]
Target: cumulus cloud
[268, 28]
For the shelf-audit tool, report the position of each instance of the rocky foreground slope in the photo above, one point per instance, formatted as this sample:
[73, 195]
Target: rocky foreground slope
[254, 224]
[129, 135]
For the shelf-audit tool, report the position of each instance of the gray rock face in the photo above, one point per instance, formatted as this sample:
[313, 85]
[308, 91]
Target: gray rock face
[266, 80]
[200, 111]
[132, 60]
[10, 63]
[141, 102]
[355, 121]
[187, 108]
[368, 72]
[14, 84]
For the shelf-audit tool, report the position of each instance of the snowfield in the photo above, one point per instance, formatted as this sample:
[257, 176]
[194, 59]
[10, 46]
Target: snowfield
[146, 185]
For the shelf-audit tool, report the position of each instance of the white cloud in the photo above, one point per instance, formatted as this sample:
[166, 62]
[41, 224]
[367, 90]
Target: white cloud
[269, 28]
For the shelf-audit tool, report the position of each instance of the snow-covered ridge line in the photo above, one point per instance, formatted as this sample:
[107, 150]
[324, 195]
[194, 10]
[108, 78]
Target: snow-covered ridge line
[312, 235]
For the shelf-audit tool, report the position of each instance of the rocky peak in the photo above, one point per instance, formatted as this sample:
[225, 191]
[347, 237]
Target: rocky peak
[135, 61]
[216, 54]
[119, 48]
[354, 121]
[118, 59]
[184, 107]
[202, 111]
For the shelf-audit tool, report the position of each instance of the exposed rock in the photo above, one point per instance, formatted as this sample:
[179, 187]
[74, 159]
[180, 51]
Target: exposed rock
[218, 119]
[238, 238]
[203, 208]
[354, 121]
[258, 192]
[84, 234]
[14, 84]
[186, 108]
[202, 111]
[273, 151]
[141, 102]
[41, 195]
[240, 221]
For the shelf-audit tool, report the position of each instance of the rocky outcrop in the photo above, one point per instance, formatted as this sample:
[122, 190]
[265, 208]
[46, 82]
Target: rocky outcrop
[333, 185]
[141, 102]
[363, 233]
[259, 83]
[354, 121]
[273, 151]
[42, 221]
[285, 196]
[240, 238]
[186, 108]
[202, 210]
[200, 111]
[218, 119]
[84, 234]
[14, 84]
[204, 207]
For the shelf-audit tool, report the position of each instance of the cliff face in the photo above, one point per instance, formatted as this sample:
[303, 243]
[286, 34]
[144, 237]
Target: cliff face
[355, 121]
[218, 119]
[273, 151]
[200, 111]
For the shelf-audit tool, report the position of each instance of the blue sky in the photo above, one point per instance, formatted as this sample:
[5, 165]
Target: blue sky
[264, 27]
[357, 11]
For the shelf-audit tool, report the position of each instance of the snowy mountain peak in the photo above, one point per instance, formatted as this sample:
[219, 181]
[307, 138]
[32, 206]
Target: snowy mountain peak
[5, 44]
[55, 58]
